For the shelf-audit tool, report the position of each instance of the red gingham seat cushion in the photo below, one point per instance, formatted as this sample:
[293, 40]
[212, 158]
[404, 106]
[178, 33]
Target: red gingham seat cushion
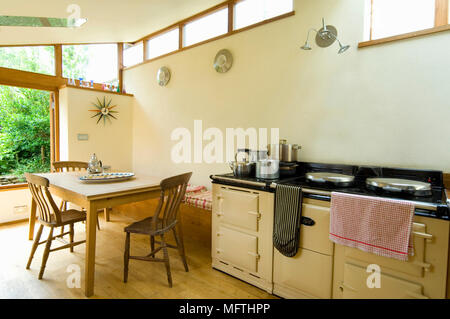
[191, 189]
[201, 199]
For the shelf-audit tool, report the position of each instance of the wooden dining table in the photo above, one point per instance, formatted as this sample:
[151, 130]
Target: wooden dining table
[92, 197]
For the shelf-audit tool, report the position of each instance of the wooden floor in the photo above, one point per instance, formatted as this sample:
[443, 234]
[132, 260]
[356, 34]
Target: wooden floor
[146, 280]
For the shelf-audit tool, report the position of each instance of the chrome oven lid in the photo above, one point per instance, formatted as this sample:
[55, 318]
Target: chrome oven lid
[400, 186]
[326, 177]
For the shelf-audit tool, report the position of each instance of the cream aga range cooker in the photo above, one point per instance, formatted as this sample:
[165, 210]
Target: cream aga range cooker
[243, 214]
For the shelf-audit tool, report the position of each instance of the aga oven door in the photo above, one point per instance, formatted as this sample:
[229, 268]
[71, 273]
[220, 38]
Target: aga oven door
[355, 286]
[238, 208]
[238, 249]
[428, 268]
[416, 265]
[309, 272]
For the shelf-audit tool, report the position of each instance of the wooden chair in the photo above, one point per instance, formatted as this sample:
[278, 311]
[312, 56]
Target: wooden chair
[50, 216]
[72, 166]
[67, 166]
[164, 220]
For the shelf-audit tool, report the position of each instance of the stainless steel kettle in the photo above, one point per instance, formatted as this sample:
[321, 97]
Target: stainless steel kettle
[95, 166]
[242, 168]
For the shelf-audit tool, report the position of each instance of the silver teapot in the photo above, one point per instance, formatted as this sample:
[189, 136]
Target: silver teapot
[95, 166]
[242, 168]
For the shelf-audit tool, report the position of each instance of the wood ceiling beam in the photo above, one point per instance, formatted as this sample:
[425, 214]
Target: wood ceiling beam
[30, 80]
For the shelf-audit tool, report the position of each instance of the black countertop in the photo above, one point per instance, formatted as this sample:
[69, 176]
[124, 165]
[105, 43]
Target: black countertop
[430, 206]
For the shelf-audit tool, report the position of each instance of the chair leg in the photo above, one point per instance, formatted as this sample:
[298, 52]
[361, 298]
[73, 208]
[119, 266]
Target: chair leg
[106, 213]
[98, 223]
[152, 243]
[180, 245]
[166, 260]
[126, 258]
[63, 208]
[46, 252]
[35, 245]
[71, 234]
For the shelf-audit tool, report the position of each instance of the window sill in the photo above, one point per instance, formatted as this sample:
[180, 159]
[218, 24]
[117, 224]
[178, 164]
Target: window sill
[13, 187]
[404, 36]
[94, 90]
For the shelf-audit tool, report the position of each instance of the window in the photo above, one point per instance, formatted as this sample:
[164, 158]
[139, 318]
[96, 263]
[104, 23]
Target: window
[249, 12]
[92, 62]
[38, 59]
[164, 43]
[389, 18]
[24, 132]
[133, 54]
[207, 27]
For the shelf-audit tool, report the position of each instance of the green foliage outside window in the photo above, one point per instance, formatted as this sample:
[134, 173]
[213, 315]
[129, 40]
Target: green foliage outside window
[25, 118]
[25, 131]
[75, 61]
[32, 59]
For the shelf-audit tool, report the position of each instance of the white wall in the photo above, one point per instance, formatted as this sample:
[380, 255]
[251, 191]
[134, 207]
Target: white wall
[111, 142]
[15, 205]
[381, 105]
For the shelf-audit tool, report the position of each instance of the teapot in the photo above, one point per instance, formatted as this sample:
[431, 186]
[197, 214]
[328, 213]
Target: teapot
[95, 166]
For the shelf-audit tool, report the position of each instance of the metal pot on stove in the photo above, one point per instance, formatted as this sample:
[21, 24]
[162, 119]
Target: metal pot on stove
[288, 169]
[243, 168]
[288, 153]
[268, 169]
[258, 155]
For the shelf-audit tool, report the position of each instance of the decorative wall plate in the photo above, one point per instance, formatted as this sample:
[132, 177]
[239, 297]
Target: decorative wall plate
[163, 76]
[223, 61]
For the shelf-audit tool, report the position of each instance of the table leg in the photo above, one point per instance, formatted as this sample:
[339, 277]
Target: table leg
[91, 228]
[106, 213]
[32, 220]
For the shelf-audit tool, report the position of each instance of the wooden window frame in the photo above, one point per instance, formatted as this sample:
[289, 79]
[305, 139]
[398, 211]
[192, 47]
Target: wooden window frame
[230, 4]
[97, 86]
[220, 7]
[157, 34]
[441, 24]
[52, 84]
[32, 80]
[54, 124]
[130, 45]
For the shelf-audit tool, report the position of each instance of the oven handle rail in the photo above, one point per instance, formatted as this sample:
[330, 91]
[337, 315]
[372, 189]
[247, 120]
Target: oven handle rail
[418, 205]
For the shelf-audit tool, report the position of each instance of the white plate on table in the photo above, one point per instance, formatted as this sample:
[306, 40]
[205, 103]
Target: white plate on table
[106, 177]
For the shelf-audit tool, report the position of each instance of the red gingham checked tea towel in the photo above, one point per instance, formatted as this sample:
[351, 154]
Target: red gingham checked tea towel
[375, 225]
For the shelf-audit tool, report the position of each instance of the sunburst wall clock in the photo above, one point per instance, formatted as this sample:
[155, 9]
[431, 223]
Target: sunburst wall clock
[104, 110]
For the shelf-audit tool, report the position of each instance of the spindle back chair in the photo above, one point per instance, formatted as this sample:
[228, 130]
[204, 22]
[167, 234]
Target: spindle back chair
[69, 166]
[165, 219]
[73, 166]
[50, 216]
